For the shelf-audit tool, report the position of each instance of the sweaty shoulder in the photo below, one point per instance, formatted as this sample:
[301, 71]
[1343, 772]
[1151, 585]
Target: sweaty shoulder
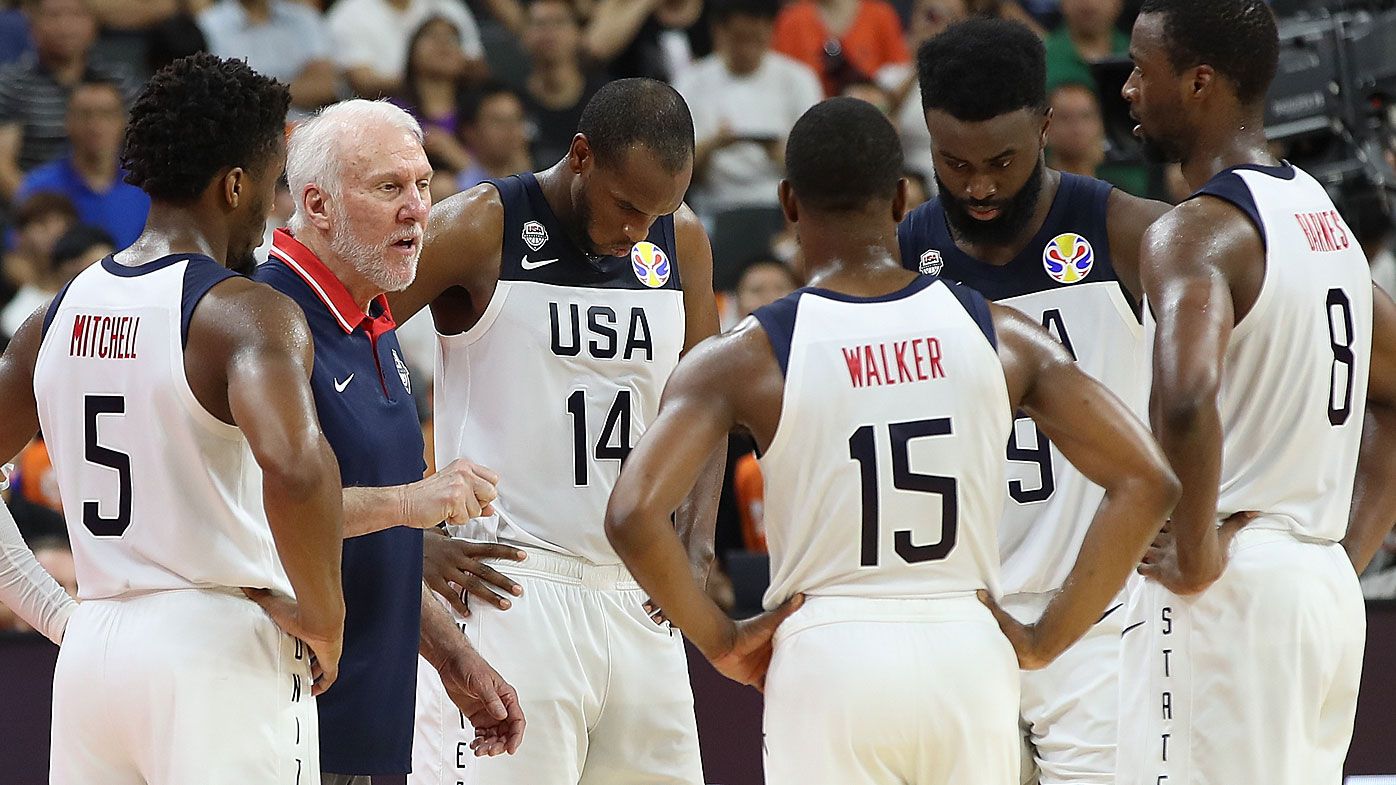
[738, 368]
[1128, 218]
[1204, 231]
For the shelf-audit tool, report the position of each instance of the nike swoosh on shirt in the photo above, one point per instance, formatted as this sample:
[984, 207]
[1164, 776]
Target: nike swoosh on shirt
[527, 265]
[339, 386]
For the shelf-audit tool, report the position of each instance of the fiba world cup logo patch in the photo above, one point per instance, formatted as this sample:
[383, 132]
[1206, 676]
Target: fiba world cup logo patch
[1068, 258]
[650, 264]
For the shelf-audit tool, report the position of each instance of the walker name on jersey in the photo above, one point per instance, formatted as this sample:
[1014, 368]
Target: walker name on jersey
[1324, 231]
[104, 337]
[600, 332]
[894, 362]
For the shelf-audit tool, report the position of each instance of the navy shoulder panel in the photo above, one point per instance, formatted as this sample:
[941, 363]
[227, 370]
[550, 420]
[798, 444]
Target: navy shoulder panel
[977, 308]
[778, 320]
[53, 309]
[200, 275]
[1229, 187]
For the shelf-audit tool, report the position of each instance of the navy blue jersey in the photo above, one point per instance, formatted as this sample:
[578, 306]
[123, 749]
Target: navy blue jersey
[363, 396]
[1065, 280]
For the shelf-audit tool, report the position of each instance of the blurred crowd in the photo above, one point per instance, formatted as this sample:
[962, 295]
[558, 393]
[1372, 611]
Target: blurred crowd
[499, 85]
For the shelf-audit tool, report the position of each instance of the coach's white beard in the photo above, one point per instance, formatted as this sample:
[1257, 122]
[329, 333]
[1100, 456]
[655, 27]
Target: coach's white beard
[371, 259]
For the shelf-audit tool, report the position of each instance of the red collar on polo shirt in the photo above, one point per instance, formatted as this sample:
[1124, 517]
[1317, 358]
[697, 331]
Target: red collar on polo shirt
[332, 292]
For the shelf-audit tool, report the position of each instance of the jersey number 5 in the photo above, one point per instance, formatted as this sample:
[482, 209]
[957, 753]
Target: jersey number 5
[96, 406]
[862, 447]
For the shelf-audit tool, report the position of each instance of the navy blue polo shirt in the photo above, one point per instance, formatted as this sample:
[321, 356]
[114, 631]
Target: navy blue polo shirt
[363, 395]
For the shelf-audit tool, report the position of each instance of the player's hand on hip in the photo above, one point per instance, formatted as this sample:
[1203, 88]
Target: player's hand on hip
[459, 491]
[487, 701]
[324, 649]
[1023, 637]
[454, 568]
[1161, 561]
[749, 657]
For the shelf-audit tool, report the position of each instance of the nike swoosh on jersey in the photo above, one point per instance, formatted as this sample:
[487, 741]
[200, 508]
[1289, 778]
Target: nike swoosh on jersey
[527, 265]
[1130, 627]
[339, 386]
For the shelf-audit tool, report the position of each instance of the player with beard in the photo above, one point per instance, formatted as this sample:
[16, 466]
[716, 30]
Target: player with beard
[1064, 249]
[563, 300]
[1274, 380]
[359, 177]
[174, 397]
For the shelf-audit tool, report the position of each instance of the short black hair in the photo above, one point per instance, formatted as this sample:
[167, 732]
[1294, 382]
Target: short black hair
[638, 112]
[74, 244]
[1238, 38]
[722, 10]
[979, 69]
[843, 154]
[474, 100]
[196, 116]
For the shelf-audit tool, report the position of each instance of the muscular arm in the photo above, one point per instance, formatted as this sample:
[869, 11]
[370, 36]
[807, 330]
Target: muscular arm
[261, 340]
[1129, 217]
[1189, 267]
[464, 238]
[1374, 489]
[460, 491]
[696, 518]
[1112, 448]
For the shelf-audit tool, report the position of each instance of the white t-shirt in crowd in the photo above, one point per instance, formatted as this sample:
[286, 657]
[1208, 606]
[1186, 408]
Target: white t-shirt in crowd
[762, 104]
[375, 33]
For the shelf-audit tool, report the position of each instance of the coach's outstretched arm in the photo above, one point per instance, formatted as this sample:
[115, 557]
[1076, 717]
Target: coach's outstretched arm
[1111, 447]
[1374, 488]
[716, 386]
[260, 338]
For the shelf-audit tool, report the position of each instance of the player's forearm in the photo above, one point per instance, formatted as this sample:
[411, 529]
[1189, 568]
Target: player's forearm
[651, 550]
[368, 510]
[441, 639]
[696, 519]
[305, 509]
[28, 589]
[1374, 489]
[1189, 430]
[1127, 520]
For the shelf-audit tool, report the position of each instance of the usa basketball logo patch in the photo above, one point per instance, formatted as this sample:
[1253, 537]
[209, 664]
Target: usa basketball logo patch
[931, 263]
[1068, 258]
[650, 264]
[534, 235]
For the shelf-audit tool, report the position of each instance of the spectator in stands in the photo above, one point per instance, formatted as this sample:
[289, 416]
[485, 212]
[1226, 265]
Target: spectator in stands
[34, 91]
[14, 34]
[90, 175]
[493, 127]
[283, 39]
[370, 37]
[557, 87]
[1086, 35]
[842, 40]
[744, 98]
[654, 38]
[79, 247]
[434, 87]
[38, 223]
[1076, 140]
[898, 80]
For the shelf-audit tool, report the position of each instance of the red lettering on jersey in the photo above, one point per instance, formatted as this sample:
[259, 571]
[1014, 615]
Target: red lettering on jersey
[870, 366]
[854, 359]
[918, 361]
[1343, 242]
[1308, 231]
[933, 350]
[903, 370]
[79, 328]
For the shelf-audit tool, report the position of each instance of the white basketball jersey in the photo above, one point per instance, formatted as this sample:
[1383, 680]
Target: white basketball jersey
[1065, 280]
[1294, 384]
[885, 475]
[158, 493]
[559, 378]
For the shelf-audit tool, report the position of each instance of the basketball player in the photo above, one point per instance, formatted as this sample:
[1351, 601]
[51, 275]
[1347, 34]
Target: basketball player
[1063, 249]
[563, 301]
[1243, 649]
[360, 180]
[880, 401]
[174, 398]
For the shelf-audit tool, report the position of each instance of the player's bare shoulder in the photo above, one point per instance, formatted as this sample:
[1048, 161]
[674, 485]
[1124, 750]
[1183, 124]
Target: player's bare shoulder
[738, 369]
[1128, 217]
